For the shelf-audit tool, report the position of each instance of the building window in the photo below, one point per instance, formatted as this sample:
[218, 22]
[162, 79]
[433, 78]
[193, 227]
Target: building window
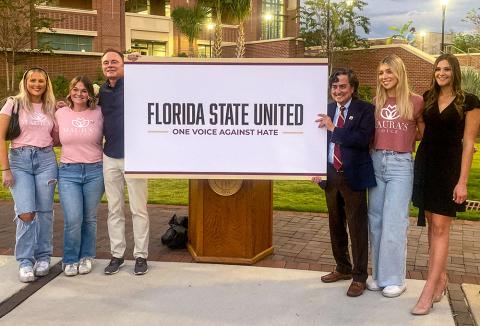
[204, 51]
[66, 42]
[157, 49]
[272, 19]
[148, 7]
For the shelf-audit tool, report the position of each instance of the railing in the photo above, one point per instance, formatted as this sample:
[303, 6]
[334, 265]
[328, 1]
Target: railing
[476, 50]
[473, 205]
[453, 49]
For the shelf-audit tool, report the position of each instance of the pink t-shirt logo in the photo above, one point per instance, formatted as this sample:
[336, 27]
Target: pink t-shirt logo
[80, 122]
[390, 112]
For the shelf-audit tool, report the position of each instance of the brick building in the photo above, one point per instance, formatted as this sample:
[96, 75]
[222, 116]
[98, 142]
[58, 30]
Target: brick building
[91, 26]
[83, 29]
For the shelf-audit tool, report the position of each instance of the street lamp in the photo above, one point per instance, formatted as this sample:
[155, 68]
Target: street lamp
[444, 8]
[422, 35]
[268, 18]
[210, 27]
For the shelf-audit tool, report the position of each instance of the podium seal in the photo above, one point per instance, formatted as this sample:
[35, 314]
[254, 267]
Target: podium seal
[225, 187]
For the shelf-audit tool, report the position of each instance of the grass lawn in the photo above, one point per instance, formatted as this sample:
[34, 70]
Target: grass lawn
[303, 196]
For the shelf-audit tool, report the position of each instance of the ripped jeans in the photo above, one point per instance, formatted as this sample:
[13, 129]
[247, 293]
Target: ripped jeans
[34, 171]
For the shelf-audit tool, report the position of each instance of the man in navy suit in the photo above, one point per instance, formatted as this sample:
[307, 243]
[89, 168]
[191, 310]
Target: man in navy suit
[351, 124]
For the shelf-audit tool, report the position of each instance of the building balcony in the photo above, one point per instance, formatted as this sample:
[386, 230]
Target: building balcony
[70, 18]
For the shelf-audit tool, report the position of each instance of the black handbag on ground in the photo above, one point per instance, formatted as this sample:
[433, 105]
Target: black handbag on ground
[13, 130]
[176, 236]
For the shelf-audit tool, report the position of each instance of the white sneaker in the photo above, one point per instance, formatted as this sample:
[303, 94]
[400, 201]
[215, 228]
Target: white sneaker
[70, 269]
[372, 284]
[42, 268]
[393, 291]
[85, 265]
[25, 274]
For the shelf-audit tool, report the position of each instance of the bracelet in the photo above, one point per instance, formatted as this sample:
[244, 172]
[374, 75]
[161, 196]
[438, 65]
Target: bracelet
[5, 169]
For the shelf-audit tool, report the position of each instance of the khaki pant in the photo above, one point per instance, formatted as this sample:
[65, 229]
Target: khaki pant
[114, 178]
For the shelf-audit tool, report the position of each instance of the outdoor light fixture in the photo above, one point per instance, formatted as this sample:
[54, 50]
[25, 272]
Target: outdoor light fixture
[210, 27]
[444, 8]
[268, 19]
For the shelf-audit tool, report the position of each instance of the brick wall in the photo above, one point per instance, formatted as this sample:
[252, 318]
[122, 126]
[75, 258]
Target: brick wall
[284, 48]
[364, 62]
[68, 65]
[71, 20]
[472, 60]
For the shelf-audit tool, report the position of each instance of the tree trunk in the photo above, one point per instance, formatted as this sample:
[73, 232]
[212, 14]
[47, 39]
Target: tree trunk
[191, 50]
[13, 71]
[7, 71]
[217, 42]
[240, 50]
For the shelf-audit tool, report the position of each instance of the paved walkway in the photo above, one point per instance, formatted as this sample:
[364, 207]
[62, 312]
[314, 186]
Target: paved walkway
[301, 241]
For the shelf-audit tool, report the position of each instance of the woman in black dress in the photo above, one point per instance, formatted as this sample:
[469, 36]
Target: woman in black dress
[442, 165]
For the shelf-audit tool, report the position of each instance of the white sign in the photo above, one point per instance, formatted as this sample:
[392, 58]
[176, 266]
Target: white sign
[225, 119]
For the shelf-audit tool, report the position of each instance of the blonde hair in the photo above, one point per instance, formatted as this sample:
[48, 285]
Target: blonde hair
[92, 101]
[402, 89]
[48, 98]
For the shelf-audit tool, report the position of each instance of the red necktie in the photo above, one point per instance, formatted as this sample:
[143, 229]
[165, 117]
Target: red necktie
[337, 156]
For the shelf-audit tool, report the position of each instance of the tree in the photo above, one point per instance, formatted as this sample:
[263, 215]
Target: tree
[465, 41]
[333, 26]
[219, 8]
[400, 32]
[240, 11]
[474, 17]
[189, 20]
[19, 21]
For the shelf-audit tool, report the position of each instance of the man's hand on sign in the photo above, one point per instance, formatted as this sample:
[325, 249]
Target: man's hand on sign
[134, 56]
[324, 121]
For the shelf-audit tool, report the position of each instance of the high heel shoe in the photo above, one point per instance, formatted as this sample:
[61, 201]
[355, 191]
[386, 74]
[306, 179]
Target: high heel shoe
[439, 297]
[421, 311]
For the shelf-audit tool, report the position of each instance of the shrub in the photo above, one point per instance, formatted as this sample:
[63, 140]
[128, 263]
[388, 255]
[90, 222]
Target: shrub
[60, 86]
[471, 80]
[365, 93]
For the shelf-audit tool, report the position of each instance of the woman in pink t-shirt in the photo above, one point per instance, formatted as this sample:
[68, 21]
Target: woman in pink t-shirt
[398, 118]
[80, 174]
[30, 171]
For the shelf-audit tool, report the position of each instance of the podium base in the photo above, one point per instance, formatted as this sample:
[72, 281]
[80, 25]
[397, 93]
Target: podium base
[229, 260]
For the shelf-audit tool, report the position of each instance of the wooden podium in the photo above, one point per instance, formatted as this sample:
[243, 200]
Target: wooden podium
[233, 229]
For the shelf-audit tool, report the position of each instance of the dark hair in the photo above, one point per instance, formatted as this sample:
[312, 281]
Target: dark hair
[352, 79]
[434, 91]
[88, 85]
[110, 50]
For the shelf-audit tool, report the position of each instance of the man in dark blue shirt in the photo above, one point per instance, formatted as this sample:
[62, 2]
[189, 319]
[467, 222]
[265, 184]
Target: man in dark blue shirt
[111, 102]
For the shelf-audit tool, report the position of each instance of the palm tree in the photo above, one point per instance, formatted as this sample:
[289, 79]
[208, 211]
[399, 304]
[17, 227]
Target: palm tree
[220, 7]
[188, 21]
[240, 10]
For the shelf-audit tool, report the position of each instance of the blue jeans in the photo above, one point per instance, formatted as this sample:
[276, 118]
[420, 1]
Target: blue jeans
[388, 205]
[34, 171]
[80, 186]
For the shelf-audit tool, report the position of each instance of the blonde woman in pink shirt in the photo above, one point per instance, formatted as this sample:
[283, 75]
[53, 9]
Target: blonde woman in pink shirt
[30, 171]
[80, 174]
[398, 118]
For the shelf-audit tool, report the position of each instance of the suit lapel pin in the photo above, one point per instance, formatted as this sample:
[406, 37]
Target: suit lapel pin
[350, 117]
